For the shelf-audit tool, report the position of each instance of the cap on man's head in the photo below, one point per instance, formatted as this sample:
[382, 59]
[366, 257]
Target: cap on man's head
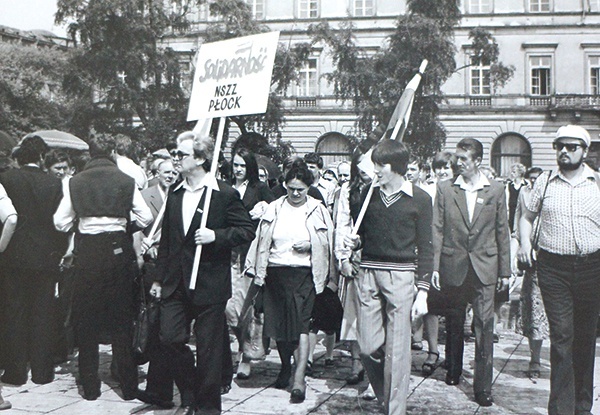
[574, 131]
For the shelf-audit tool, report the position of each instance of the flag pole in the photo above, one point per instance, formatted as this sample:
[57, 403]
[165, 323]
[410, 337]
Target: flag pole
[402, 113]
[213, 173]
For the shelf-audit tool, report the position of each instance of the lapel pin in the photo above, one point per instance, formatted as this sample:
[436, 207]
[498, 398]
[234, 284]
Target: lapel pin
[199, 210]
[479, 200]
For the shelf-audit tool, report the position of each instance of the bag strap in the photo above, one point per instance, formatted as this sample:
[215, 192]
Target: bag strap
[536, 233]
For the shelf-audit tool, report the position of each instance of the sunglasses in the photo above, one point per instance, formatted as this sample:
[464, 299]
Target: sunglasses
[178, 155]
[571, 148]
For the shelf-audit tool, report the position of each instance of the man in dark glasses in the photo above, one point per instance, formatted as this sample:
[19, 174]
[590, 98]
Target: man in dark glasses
[567, 203]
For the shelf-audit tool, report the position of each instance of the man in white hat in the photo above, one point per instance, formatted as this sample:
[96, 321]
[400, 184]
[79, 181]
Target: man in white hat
[567, 203]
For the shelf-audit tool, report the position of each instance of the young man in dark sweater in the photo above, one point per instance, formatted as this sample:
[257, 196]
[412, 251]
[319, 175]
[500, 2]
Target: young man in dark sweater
[397, 255]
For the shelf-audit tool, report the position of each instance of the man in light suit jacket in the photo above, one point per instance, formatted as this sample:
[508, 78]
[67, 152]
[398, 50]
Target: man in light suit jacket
[471, 253]
[228, 226]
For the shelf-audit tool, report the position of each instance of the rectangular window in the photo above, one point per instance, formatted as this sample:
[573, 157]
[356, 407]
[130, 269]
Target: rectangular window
[594, 5]
[257, 7]
[308, 82]
[480, 77]
[478, 6]
[541, 70]
[363, 8]
[539, 6]
[595, 75]
[308, 9]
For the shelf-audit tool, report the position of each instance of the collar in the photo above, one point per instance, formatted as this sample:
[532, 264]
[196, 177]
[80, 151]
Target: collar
[588, 173]
[244, 183]
[208, 181]
[406, 188]
[481, 182]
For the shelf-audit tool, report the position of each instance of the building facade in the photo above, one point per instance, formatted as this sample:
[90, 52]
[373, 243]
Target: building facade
[552, 45]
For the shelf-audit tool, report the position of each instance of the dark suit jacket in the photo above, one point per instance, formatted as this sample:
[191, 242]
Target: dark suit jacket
[231, 223]
[484, 242]
[257, 192]
[36, 244]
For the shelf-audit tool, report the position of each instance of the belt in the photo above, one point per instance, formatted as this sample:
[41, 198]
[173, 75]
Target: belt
[594, 256]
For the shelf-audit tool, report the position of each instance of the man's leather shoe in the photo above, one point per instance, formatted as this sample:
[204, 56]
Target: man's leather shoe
[451, 380]
[154, 399]
[13, 380]
[297, 396]
[186, 410]
[484, 399]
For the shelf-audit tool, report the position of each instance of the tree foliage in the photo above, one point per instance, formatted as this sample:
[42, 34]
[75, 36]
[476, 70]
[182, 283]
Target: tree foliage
[31, 95]
[374, 83]
[122, 67]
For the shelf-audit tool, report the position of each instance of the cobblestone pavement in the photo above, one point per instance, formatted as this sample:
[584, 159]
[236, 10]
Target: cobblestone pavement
[327, 392]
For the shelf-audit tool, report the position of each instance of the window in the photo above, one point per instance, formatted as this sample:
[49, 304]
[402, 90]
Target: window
[539, 6]
[363, 8]
[595, 75]
[334, 147]
[594, 5]
[478, 6]
[541, 67]
[308, 83]
[257, 7]
[509, 149]
[480, 77]
[308, 9]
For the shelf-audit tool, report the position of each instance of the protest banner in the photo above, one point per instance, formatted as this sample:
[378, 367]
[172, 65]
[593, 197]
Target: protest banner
[233, 77]
[399, 122]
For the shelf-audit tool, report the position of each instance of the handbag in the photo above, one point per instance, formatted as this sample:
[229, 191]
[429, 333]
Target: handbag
[328, 312]
[523, 266]
[145, 326]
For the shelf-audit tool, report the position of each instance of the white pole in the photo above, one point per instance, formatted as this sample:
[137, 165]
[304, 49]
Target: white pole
[213, 173]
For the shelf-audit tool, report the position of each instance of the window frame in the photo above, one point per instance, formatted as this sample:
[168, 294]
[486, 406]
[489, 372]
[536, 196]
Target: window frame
[538, 67]
[480, 68]
[253, 6]
[469, 7]
[307, 3]
[537, 6]
[363, 7]
[306, 70]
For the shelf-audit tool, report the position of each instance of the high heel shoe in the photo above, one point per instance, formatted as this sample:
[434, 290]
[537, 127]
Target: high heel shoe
[356, 378]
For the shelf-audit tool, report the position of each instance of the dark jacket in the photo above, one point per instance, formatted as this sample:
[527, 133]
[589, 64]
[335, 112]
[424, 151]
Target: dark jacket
[232, 225]
[36, 244]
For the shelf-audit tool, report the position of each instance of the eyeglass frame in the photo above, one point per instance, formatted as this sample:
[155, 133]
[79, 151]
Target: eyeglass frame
[178, 155]
[571, 147]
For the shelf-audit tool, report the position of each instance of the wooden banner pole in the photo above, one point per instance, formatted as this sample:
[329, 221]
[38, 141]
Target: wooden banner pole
[213, 173]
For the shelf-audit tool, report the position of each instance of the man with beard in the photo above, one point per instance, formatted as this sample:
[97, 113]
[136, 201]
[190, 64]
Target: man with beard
[567, 203]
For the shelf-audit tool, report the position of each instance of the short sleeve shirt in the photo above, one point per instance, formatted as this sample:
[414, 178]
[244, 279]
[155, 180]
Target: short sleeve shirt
[570, 216]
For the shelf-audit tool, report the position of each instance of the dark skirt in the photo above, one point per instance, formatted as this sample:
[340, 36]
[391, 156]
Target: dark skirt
[437, 302]
[288, 302]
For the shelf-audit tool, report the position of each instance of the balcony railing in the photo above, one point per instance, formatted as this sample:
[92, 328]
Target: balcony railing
[577, 101]
[540, 101]
[306, 102]
[480, 101]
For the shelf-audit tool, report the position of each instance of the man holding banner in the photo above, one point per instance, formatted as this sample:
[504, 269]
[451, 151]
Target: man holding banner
[228, 225]
[397, 253]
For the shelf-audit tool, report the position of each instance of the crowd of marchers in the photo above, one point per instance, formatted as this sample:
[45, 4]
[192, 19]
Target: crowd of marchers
[372, 252]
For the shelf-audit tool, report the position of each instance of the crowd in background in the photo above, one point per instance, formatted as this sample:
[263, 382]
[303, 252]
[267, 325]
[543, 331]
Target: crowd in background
[283, 259]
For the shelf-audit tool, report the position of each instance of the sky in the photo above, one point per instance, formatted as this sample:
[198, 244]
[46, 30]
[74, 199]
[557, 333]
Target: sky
[29, 14]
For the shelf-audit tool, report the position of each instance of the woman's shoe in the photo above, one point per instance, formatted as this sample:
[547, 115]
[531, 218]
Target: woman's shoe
[356, 378]
[5, 405]
[428, 368]
[297, 396]
[244, 371]
[369, 394]
[329, 362]
[416, 345]
[309, 368]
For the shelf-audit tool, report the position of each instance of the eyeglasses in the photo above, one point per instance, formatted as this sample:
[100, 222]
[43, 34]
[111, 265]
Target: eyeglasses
[571, 147]
[178, 155]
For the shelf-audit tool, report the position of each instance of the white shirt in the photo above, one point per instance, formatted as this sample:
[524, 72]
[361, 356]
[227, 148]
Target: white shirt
[242, 188]
[290, 227]
[65, 216]
[471, 191]
[6, 207]
[131, 169]
[191, 198]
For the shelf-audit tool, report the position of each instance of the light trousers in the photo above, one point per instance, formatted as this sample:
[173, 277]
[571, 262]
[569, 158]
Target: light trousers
[384, 300]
